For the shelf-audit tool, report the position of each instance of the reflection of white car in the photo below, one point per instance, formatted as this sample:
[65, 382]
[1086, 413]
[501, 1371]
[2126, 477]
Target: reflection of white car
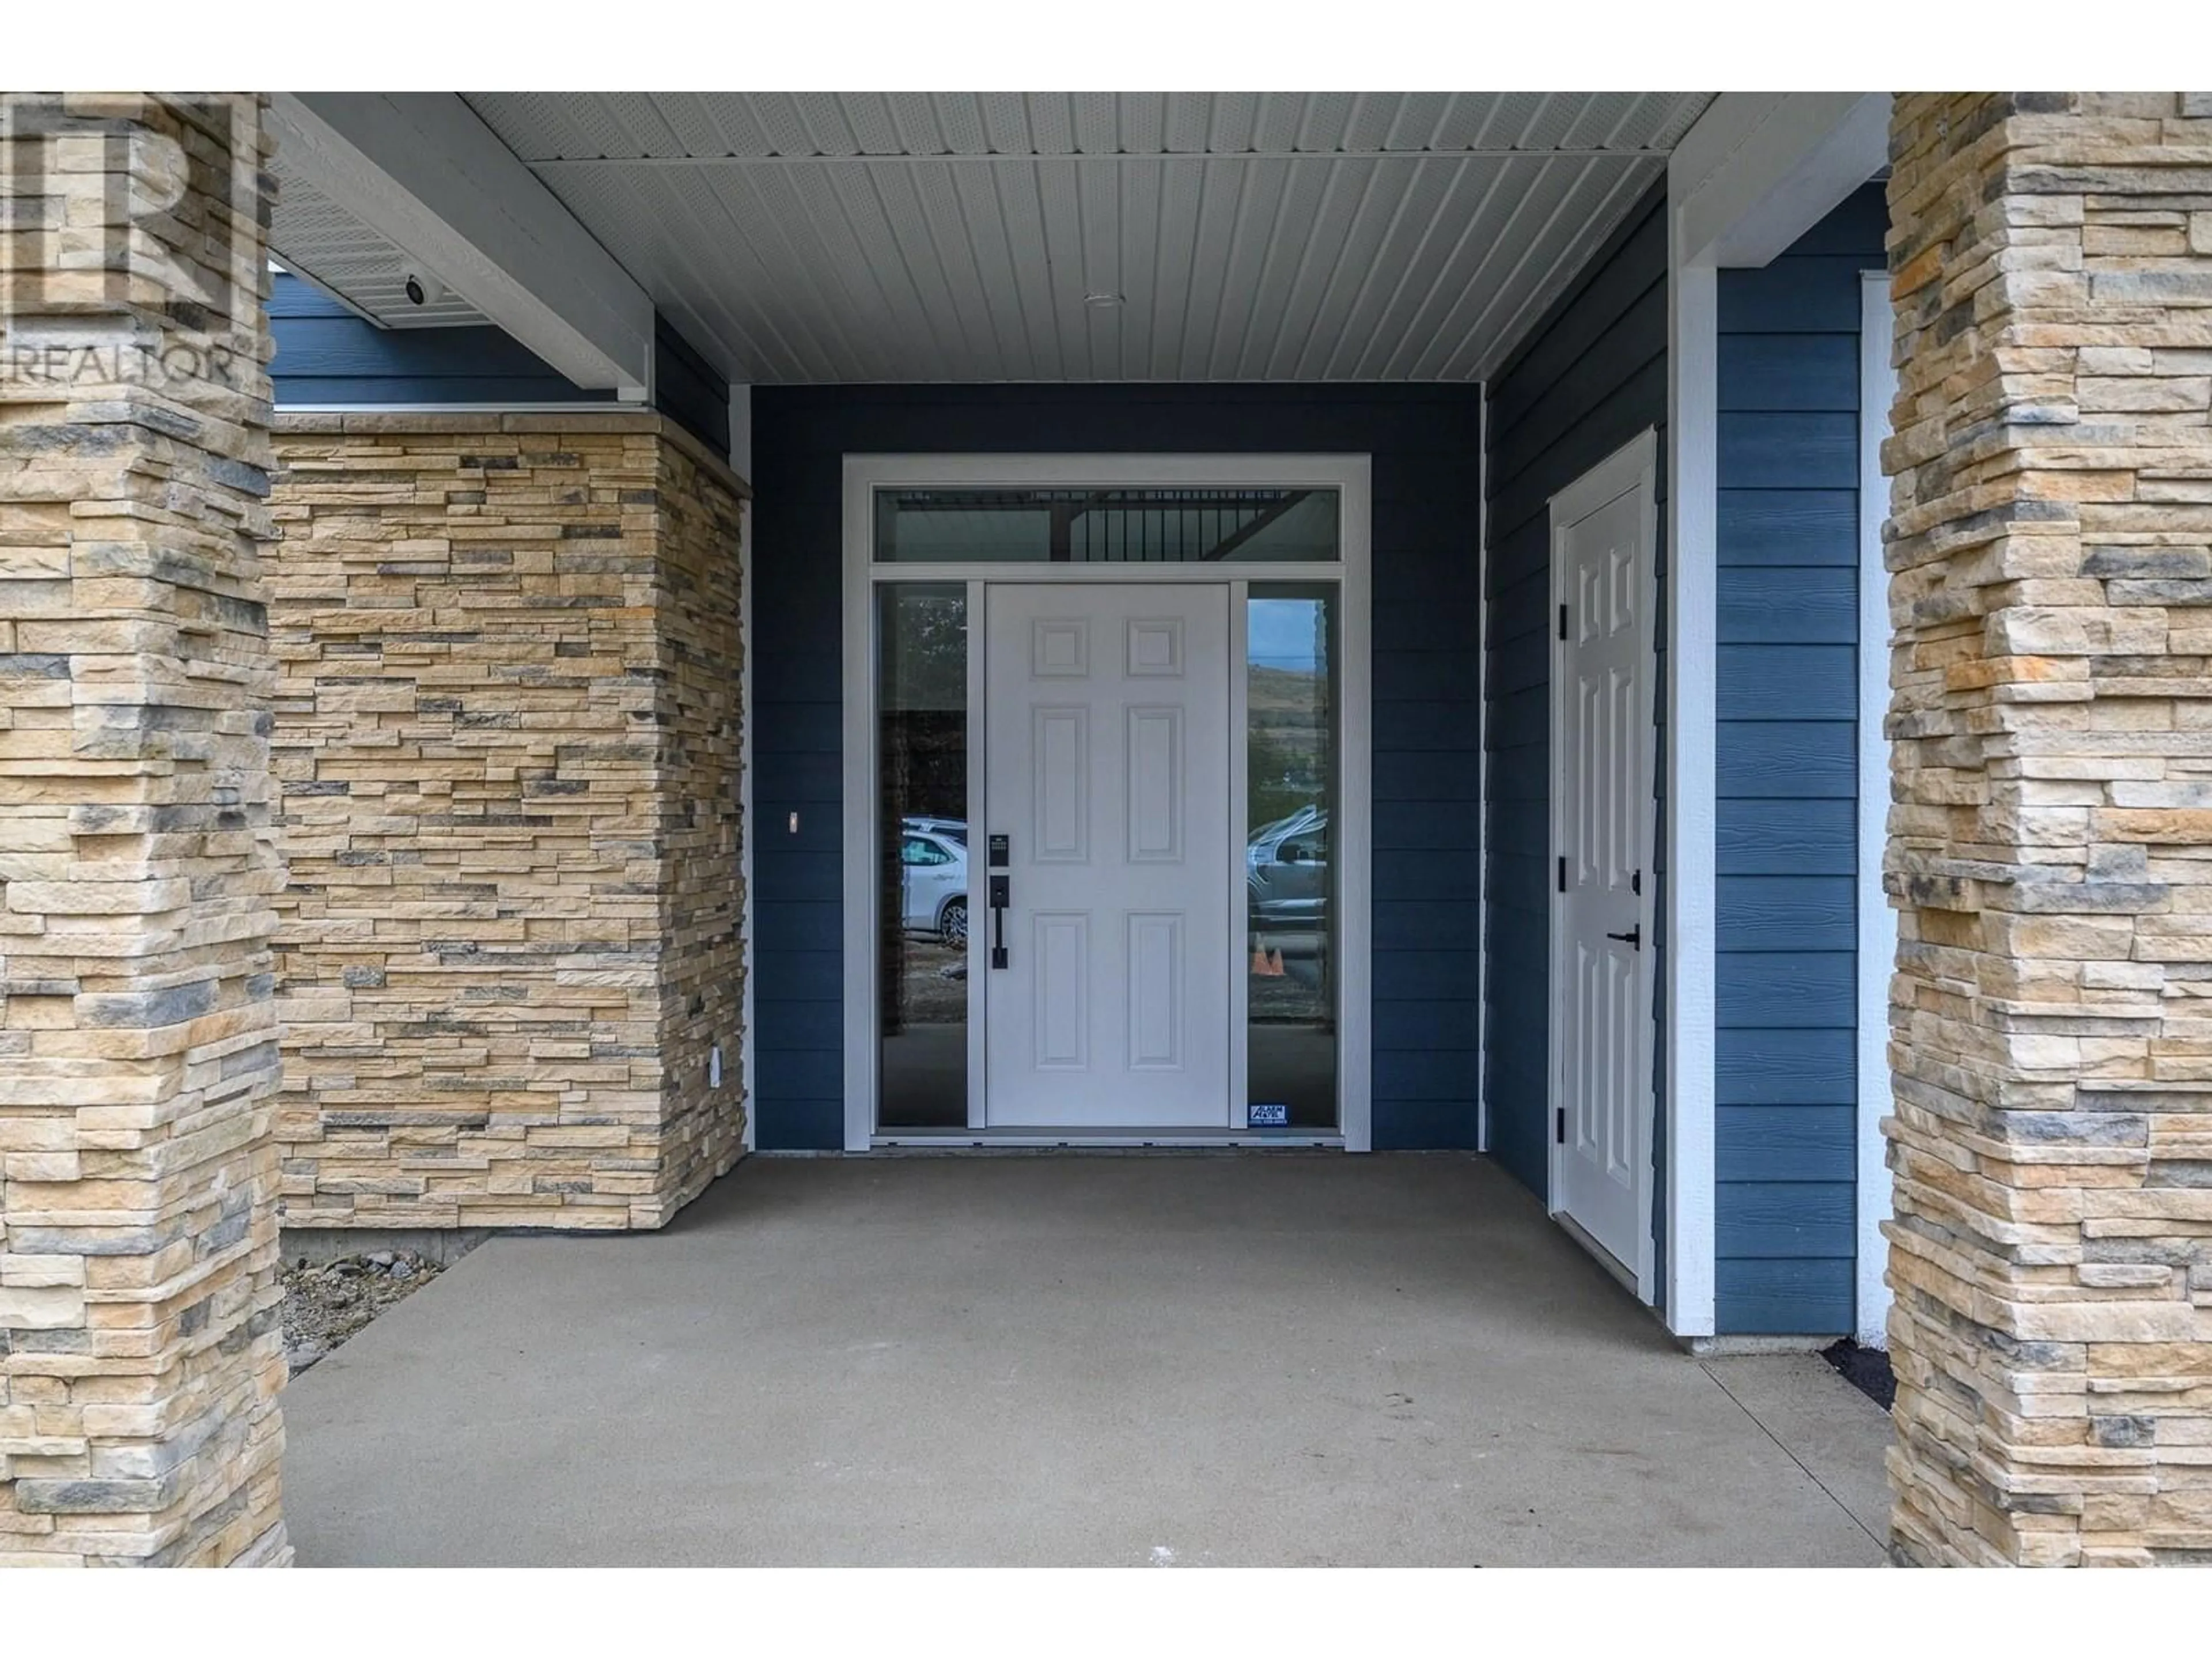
[1286, 870]
[933, 884]
[950, 828]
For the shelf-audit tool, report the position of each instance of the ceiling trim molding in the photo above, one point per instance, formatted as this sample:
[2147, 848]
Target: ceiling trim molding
[547, 163]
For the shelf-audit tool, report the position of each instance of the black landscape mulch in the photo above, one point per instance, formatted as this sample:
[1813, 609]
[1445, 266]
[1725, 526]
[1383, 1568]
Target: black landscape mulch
[1866, 1370]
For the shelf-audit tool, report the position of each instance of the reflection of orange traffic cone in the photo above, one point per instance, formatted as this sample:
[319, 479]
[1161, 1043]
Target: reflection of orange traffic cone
[1274, 964]
[1265, 966]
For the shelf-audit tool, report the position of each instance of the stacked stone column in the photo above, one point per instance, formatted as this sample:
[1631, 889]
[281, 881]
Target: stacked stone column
[2051, 839]
[140, 1354]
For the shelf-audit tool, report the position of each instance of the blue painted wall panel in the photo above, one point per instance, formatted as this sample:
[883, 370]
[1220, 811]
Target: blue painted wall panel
[1776, 605]
[1785, 1296]
[1787, 837]
[1775, 682]
[1785, 1143]
[1788, 760]
[1794, 527]
[1782, 986]
[1793, 449]
[1425, 442]
[1787, 968]
[1764, 373]
[1591, 376]
[1793, 1066]
[1787, 913]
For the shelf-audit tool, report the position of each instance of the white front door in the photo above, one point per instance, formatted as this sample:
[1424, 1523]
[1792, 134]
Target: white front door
[1107, 772]
[1603, 1003]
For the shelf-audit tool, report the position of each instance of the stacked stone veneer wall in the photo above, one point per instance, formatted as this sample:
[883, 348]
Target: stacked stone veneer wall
[2051, 835]
[507, 745]
[140, 1354]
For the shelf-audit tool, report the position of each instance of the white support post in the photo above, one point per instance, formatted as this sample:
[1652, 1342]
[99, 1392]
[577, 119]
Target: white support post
[1877, 922]
[1757, 170]
[1692, 432]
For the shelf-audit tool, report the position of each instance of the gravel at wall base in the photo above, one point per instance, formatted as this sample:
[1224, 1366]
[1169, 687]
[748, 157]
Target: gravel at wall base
[324, 1305]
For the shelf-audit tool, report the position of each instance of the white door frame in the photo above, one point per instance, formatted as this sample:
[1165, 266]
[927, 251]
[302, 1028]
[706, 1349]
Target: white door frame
[1350, 476]
[1631, 468]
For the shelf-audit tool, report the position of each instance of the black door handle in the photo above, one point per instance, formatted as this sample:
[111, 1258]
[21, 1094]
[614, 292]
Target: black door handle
[1000, 898]
[1633, 937]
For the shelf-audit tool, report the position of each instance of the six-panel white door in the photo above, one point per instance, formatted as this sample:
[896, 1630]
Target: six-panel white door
[1603, 1000]
[1107, 763]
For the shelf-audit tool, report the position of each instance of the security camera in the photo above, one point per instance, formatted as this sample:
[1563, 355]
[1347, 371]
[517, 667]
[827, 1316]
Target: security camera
[423, 289]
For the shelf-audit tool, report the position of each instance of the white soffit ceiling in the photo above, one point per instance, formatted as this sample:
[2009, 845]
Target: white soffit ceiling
[318, 239]
[820, 237]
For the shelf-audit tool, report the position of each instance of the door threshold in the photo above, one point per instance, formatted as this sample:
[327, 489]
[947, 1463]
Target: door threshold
[1105, 1139]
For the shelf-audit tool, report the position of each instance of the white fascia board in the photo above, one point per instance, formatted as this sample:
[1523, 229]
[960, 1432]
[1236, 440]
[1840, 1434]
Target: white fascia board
[1759, 169]
[423, 170]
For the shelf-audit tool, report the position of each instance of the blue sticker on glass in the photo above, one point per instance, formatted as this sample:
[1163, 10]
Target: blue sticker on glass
[1275, 1115]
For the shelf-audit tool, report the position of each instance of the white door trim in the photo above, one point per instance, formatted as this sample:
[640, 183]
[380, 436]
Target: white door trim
[1877, 922]
[1348, 474]
[1240, 896]
[1633, 467]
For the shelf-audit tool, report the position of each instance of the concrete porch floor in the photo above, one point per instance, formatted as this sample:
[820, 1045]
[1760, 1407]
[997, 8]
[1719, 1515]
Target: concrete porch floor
[1166, 1359]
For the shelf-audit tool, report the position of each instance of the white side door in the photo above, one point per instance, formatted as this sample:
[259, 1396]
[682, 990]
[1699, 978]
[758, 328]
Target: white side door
[1107, 763]
[1604, 1106]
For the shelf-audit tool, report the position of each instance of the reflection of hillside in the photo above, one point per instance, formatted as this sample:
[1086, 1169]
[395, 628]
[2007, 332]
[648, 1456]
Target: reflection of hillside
[1304, 690]
[1291, 707]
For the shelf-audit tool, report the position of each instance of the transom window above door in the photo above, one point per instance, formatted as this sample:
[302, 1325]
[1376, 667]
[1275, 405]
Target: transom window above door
[1272, 524]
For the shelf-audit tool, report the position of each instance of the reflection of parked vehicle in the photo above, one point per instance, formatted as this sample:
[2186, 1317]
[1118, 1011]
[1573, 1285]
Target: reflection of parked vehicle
[954, 829]
[933, 884]
[1286, 869]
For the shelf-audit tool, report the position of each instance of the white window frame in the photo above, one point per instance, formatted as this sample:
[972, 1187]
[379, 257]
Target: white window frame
[1633, 469]
[1350, 476]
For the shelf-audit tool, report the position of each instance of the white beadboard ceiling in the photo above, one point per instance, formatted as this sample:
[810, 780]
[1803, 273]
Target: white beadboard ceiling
[816, 237]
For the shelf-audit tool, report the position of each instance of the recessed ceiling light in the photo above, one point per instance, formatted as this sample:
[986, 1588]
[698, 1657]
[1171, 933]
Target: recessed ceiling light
[1103, 301]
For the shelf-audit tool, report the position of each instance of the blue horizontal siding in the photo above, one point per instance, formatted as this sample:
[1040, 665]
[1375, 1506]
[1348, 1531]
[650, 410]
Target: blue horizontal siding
[1786, 913]
[1785, 1143]
[1787, 837]
[1778, 681]
[1792, 1219]
[1786, 971]
[1796, 527]
[1787, 1295]
[1768, 371]
[327, 355]
[1794, 759]
[1771, 604]
[1791, 1066]
[1782, 987]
